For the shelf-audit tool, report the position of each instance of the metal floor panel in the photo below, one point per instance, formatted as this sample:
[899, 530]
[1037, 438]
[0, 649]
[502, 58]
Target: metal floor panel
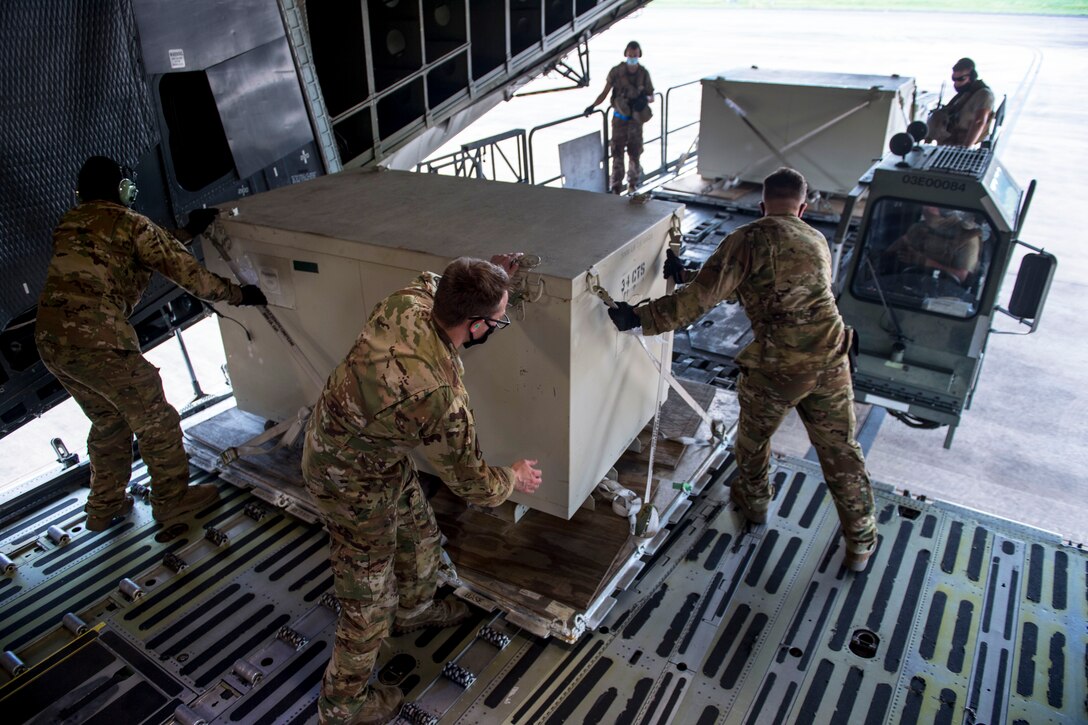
[960, 618]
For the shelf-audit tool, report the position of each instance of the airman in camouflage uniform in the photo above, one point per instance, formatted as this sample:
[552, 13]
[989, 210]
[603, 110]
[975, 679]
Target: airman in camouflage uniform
[400, 390]
[632, 90]
[780, 269]
[103, 257]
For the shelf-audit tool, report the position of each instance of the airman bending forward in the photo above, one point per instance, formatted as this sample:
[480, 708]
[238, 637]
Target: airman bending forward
[400, 389]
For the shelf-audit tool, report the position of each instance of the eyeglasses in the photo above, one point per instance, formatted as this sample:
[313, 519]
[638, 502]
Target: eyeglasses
[957, 79]
[499, 324]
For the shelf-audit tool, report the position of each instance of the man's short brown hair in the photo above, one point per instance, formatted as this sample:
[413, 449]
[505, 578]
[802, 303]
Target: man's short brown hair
[468, 288]
[785, 183]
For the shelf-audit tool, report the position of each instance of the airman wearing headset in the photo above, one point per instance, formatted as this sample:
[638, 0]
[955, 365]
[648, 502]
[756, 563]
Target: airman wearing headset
[103, 256]
[966, 119]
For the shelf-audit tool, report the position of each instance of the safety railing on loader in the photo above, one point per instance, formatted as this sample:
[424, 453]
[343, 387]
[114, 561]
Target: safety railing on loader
[517, 156]
[498, 158]
[685, 135]
[533, 158]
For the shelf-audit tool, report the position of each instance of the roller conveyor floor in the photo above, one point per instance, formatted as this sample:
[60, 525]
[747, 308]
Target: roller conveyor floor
[961, 617]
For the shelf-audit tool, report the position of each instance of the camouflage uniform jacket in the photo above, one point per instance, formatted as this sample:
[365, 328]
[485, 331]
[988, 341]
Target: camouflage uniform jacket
[780, 269]
[627, 86]
[400, 388]
[949, 242]
[103, 257]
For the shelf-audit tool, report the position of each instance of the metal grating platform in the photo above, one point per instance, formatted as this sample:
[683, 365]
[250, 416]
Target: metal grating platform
[959, 160]
[960, 618]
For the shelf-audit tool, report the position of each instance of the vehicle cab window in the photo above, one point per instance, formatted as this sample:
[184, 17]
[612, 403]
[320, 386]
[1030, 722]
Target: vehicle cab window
[925, 256]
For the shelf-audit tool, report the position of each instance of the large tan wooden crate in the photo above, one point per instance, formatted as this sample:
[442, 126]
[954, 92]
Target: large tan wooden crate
[560, 384]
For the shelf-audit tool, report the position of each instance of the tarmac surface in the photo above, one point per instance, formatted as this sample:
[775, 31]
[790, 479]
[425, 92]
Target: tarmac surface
[1021, 451]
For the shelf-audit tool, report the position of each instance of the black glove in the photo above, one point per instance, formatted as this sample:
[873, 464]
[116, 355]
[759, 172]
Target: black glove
[624, 316]
[199, 220]
[638, 103]
[252, 295]
[673, 267]
[589, 110]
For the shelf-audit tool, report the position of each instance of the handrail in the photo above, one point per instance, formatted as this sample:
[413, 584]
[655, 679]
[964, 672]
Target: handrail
[661, 135]
[566, 119]
[468, 161]
[665, 113]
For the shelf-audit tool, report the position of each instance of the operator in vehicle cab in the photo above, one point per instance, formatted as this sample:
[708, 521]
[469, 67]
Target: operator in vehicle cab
[945, 240]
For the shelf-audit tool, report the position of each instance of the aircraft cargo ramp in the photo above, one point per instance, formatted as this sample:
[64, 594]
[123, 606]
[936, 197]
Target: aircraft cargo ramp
[960, 618]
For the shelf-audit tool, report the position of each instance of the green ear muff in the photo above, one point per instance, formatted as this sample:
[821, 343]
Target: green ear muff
[127, 191]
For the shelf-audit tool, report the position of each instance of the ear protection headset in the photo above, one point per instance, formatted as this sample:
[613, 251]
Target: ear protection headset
[96, 179]
[126, 189]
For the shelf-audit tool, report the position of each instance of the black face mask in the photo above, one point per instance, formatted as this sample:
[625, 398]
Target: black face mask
[481, 339]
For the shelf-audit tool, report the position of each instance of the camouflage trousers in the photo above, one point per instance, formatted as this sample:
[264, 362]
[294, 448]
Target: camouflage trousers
[121, 394]
[824, 400]
[626, 136]
[385, 552]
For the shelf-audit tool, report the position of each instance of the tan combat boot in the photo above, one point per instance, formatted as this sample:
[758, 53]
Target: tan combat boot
[754, 512]
[100, 521]
[382, 704]
[195, 498]
[442, 613]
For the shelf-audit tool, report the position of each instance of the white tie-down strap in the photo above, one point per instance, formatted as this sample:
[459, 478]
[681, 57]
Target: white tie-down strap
[626, 503]
[656, 429]
[288, 432]
[217, 235]
[717, 427]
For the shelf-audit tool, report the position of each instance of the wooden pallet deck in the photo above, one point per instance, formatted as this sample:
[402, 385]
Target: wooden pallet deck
[547, 568]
